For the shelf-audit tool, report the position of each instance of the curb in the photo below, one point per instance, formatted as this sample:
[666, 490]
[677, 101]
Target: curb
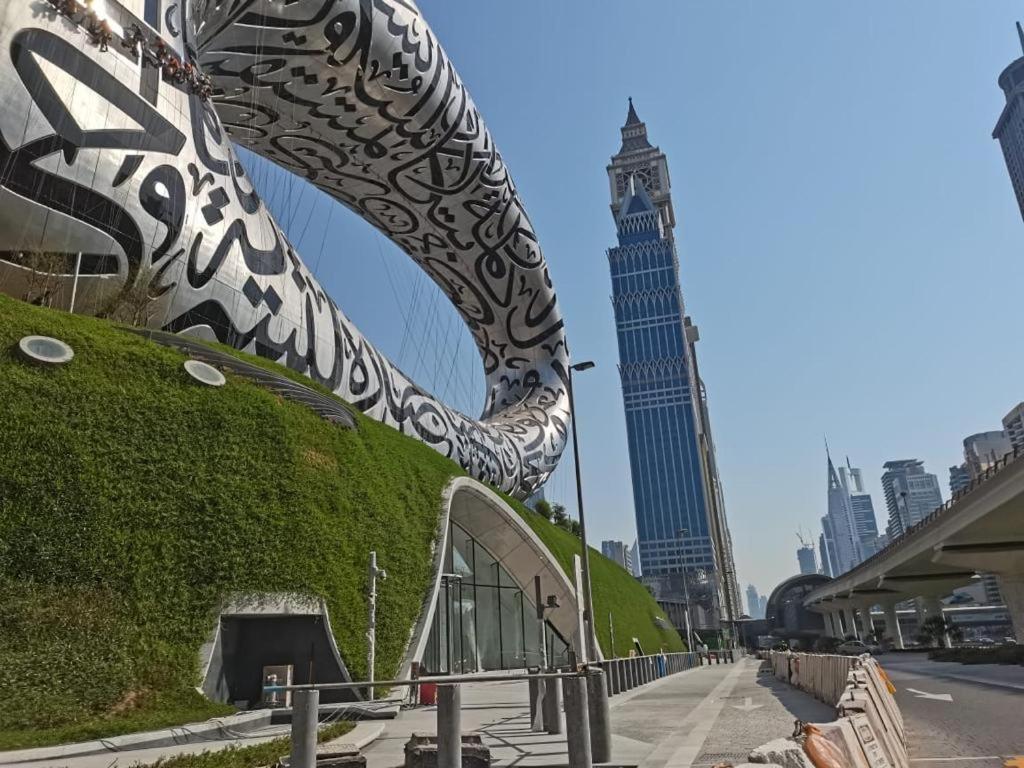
[362, 735]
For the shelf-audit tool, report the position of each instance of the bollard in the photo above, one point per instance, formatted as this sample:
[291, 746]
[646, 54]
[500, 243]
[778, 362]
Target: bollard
[449, 726]
[552, 706]
[599, 717]
[537, 689]
[577, 726]
[623, 679]
[613, 676]
[305, 711]
[631, 671]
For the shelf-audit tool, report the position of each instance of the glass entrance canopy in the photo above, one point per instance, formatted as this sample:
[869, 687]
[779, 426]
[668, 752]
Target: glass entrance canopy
[484, 620]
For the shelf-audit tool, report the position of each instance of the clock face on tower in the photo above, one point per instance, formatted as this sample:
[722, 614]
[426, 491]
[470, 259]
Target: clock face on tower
[645, 173]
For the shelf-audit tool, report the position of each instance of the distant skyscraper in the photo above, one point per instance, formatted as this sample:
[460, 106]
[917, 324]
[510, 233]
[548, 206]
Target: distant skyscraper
[807, 560]
[618, 552]
[634, 558]
[762, 605]
[984, 449]
[680, 515]
[1009, 128]
[846, 547]
[959, 478]
[861, 507]
[1013, 426]
[823, 548]
[754, 603]
[911, 494]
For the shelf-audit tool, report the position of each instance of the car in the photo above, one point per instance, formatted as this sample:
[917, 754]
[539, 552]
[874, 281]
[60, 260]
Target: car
[985, 641]
[1009, 641]
[856, 648]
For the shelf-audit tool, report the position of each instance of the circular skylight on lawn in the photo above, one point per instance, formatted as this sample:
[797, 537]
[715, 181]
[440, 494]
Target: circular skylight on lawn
[45, 350]
[205, 374]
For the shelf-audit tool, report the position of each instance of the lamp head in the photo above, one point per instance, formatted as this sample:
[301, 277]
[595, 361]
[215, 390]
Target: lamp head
[582, 366]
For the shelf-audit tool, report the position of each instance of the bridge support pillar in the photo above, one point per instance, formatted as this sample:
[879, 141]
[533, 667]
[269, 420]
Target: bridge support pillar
[892, 625]
[833, 625]
[866, 628]
[849, 621]
[1012, 588]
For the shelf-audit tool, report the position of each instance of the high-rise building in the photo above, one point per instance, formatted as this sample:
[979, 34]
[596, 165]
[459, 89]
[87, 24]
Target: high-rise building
[846, 548]
[807, 560]
[823, 548]
[755, 608]
[680, 515]
[862, 509]
[634, 559]
[762, 605]
[619, 553]
[984, 449]
[911, 494]
[1009, 128]
[959, 478]
[1013, 426]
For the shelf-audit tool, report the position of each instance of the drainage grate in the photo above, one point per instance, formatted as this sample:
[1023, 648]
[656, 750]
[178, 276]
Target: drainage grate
[713, 758]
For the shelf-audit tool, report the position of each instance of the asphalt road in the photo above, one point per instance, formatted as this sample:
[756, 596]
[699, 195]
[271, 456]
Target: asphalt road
[959, 715]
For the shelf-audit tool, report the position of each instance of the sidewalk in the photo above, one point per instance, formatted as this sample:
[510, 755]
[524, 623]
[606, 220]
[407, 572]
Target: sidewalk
[688, 719]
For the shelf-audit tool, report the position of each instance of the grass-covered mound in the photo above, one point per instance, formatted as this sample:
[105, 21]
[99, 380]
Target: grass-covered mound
[133, 501]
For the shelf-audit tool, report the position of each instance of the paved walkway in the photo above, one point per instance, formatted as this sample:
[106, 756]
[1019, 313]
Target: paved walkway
[690, 719]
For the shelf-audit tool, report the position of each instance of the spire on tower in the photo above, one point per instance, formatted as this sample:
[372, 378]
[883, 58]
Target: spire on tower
[1020, 34]
[633, 119]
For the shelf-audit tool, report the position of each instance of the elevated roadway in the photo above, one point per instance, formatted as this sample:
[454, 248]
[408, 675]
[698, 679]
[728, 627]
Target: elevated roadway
[981, 529]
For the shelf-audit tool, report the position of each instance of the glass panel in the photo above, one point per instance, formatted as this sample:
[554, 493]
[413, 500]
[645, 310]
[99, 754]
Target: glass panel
[462, 554]
[505, 579]
[467, 629]
[488, 627]
[486, 571]
[511, 602]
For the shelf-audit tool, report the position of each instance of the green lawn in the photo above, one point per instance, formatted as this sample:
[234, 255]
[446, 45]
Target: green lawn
[256, 756]
[132, 501]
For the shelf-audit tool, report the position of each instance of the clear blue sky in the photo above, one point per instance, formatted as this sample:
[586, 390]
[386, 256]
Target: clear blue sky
[850, 245]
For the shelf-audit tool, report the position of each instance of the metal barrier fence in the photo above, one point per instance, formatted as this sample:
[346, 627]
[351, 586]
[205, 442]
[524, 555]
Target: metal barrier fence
[585, 692]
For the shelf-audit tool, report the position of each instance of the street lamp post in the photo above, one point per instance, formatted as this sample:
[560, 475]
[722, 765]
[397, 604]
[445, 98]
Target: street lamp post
[588, 604]
[681, 534]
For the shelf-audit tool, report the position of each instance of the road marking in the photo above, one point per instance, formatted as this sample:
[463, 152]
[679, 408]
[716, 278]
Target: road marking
[935, 696]
[748, 705]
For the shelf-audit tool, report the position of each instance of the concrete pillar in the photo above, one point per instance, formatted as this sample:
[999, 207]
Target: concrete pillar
[850, 625]
[600, 717]
[866, 627]
[553, 706]
[831, 620]
[305, 715]
[449, 726]
[577, 722]
[892, 625]
[1012, 587]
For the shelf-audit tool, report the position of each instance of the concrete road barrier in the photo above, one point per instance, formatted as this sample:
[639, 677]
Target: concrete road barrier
[869, 731]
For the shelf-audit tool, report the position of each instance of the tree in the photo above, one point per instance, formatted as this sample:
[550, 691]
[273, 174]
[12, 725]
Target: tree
[543, 509]
[574, 528]
[935, 629]
[559, 516]
[43, 278]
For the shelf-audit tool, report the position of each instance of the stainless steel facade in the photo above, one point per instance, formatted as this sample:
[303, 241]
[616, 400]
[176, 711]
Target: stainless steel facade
[113, 146]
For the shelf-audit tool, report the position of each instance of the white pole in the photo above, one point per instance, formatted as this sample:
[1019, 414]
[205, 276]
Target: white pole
[74, 283]
[371, 633]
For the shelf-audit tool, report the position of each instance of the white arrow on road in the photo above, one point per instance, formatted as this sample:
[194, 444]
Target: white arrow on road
[934, 696]
[747, 705]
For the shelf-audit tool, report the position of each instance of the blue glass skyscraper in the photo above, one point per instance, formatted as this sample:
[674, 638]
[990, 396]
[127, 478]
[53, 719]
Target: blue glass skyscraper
[680, 517]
